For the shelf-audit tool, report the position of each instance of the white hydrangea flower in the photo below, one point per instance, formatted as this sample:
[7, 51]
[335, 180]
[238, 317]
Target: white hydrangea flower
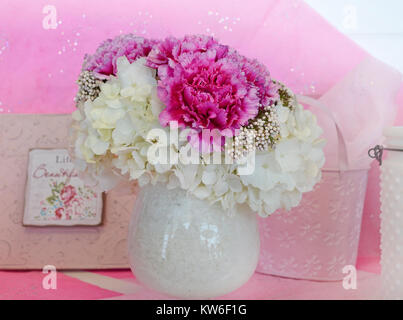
[280, 176]
[115, 125]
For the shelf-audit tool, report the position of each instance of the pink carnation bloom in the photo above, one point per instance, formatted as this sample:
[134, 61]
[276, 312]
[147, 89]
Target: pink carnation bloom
[208, 85]
[103, 62]
[259, 76]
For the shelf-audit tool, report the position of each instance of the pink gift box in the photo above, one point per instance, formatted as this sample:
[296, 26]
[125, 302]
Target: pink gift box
[75, 247]
[317, 239]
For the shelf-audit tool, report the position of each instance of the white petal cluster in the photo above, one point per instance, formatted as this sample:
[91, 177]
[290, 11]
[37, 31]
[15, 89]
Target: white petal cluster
[110, 132]
[293, 167]
[280, 175]
[110, 135]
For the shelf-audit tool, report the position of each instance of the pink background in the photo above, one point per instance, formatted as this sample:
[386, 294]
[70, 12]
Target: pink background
[39, 66]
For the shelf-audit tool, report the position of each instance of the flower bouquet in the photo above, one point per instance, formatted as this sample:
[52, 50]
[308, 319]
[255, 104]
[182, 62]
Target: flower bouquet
[210, 139]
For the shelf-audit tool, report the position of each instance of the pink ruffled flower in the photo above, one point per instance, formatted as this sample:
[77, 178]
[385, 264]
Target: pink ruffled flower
[103, 62]
[59, 212]
[67, 194]
[259, 77]
[205, 84]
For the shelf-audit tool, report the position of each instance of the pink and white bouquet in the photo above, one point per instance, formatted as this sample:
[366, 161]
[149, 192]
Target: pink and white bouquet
[194, 114]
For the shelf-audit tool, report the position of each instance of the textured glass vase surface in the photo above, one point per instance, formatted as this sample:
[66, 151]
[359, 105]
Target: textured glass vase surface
[392, 216]
[184, 247]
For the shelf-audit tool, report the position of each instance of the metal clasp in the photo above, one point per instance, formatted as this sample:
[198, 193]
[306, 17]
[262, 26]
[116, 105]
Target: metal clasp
[376, 153]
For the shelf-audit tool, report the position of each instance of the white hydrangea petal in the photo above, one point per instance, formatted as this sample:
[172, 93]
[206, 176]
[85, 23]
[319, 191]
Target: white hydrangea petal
[272, 201]
[96, 145]
[282, 114]
[241, 197]
[209, 177]
[287, 154]
[136, 173]
[124, 132]
[234, 183]
[140, 161]
[162, 168]
[290, 199]
[122, 63]
[114, 104]
[202, 192]
[156, 105]
[220, 188]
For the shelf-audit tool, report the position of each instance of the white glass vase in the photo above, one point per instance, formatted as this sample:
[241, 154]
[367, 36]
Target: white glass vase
[392, 215]
[185, 247]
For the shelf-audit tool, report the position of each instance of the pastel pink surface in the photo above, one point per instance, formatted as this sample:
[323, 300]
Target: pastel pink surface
[369, 264]
[299, 47]
[114, 273]
[21, 285]
[28, 285]
[265, 287]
